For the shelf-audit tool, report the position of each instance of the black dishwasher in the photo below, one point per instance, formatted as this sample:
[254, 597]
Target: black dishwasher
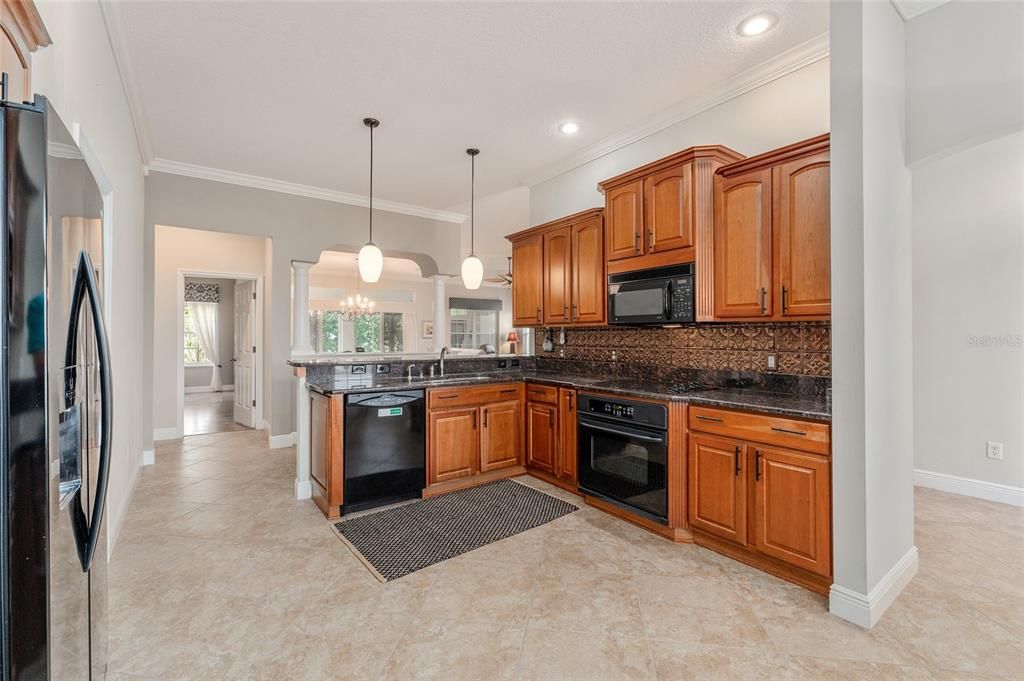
[384, 448]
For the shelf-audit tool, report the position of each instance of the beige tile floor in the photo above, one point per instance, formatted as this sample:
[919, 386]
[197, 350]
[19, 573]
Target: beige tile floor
[220, 575]
[210, 413]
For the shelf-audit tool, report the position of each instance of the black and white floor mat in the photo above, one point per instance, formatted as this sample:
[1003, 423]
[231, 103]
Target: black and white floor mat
[403, 539]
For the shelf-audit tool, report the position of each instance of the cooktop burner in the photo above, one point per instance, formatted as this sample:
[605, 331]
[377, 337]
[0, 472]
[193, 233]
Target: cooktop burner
[692, 387]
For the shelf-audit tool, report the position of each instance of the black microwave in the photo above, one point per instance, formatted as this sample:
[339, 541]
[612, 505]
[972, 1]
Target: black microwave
[659, 296]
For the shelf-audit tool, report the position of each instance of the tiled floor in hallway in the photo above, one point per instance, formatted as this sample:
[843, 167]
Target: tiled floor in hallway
[220, 575]
[210, 413]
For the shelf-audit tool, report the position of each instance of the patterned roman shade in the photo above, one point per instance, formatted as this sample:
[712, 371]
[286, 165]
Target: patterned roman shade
[196, 292]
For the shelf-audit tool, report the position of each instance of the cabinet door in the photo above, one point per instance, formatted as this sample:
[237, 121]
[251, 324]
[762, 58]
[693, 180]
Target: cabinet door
[501, 435]
[557, 276]
[541, 440]
[589, 286]
[527, 281]
[325, 453]
[567, 459]
[454, 447]
[743, 245]
[792, 508]
[718, 487]
[668, 209]
[624, 218]
[801, 225]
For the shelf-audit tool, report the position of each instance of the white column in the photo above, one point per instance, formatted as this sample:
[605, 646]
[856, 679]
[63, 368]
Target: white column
[440, 313]
[303, 489]
[300, 308]
[874, 555]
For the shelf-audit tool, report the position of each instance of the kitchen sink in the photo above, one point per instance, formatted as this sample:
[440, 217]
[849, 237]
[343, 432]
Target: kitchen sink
[453, 379]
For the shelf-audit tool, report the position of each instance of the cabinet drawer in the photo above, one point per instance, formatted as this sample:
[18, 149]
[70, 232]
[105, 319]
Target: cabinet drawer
[441, 398]
[793, 433]
[541, 393]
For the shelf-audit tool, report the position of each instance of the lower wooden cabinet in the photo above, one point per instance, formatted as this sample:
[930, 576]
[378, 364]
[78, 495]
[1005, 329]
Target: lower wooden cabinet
[567, 458]
[767, 504]
[541, 436]
[718, 487]
[473, 434]
[327, 480]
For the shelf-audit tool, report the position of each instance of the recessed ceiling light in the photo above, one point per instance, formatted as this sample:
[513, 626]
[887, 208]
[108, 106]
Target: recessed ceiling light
[569, 128]
[756, 25]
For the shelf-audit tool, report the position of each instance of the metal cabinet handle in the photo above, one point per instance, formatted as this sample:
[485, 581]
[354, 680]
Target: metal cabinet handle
[446, 397]
[509, 390]
[474, 419]
[636, 242]
[757, 464]
[709, 418]
[737, 457]
[783, 299]
[789, 431]
[551, 419]
[538, 314]
[650, 240]
[570, 401]
[485, 418]
[565, 312]
[572, 314]
[764, 301]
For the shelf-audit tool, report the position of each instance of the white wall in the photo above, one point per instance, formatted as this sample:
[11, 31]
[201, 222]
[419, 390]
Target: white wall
[786, 110]
[969, 311]
[79, 76]
[872, 415]
[201, 376]
[497, 216]
[199, 251]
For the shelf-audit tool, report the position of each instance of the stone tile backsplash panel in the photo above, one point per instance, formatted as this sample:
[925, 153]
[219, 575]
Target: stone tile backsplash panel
[803, 348]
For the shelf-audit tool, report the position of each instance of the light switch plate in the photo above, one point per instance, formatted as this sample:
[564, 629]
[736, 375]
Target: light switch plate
[994, 450]
[773, 362]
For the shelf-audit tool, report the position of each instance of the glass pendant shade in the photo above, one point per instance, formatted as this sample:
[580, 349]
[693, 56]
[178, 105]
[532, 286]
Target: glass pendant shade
[472, 272]
[371, 263]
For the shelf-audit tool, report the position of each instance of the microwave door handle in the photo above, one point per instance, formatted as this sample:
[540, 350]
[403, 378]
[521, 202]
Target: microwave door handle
[667, 295]
[87, 530]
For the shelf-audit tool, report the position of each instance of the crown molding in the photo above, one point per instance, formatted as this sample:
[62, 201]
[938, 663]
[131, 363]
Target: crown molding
[162, 165]
[117, 30]
[793, 59]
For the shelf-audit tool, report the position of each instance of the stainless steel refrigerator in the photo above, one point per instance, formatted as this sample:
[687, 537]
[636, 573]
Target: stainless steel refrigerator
[55, 404]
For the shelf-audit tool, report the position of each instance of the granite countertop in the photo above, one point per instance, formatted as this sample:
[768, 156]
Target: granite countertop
[793, 405]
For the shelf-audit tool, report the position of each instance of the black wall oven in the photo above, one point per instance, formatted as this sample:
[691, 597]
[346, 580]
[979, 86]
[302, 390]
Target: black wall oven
[623, 453]
[659, 296]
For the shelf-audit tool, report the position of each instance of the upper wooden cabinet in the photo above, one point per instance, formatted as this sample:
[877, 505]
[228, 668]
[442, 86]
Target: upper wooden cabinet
[657, 214]
[558, 272]
[771, 246]
[528, 281]
[21, 32]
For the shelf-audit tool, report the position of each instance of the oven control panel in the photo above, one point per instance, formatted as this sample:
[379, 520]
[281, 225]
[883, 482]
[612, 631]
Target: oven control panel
[645, 413]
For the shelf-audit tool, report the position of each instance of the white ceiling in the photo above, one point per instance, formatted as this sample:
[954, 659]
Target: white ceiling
[278, 89]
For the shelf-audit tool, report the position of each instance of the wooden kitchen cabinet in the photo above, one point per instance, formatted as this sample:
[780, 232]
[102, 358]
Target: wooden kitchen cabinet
[501, 436]
[558, 272]
[655, 215]
[326, 447]
[454, 444]
[528, 280]
[772, 252]
[567, 458]
[474, 435]
[792, 508]
[760, 491]
[541, 436]
[718, 487]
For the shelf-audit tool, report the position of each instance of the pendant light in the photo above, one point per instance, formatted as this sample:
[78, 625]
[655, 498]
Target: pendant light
[472, 268]
[371, 260]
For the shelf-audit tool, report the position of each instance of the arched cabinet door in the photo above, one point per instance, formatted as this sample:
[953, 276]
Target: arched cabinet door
[801, 224]
[743, 245]
[21, 33]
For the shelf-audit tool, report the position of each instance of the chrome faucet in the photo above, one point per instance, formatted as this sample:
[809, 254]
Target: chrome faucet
[444, 351]
[409, 370]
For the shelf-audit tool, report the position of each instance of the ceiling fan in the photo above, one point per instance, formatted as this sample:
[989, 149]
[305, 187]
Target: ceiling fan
[505, 279]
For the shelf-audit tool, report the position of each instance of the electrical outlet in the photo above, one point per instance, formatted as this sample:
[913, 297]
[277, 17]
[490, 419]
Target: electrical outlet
[358, 368]
[994, 450]
[503, 364]
[773, 362]
[383, 368]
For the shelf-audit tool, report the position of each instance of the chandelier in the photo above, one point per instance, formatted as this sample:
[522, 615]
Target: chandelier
[355, 307]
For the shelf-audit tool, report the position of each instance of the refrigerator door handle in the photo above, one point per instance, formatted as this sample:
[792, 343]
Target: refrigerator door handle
[87, 530]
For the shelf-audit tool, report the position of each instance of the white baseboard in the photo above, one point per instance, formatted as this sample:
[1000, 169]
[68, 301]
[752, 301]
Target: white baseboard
[280, 441]
[190, 390]
[148, 457]
[303, 490]
[166, 433]
[969, 487]
[117, 517]
[865, 610]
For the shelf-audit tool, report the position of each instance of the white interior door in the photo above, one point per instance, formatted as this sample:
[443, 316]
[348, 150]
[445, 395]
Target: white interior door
[245, 353]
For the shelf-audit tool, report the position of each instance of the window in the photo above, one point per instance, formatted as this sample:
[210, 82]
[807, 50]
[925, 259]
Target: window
[473, 323]
[377, 332]
[193, 353]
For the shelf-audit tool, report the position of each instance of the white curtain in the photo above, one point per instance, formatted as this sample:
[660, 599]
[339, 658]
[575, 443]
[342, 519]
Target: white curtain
[204, 318]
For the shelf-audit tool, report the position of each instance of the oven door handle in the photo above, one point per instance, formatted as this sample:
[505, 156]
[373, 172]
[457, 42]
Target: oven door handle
[623, 432]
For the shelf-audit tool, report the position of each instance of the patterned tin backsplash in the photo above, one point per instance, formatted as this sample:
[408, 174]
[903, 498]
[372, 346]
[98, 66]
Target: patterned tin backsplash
[802, 348]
